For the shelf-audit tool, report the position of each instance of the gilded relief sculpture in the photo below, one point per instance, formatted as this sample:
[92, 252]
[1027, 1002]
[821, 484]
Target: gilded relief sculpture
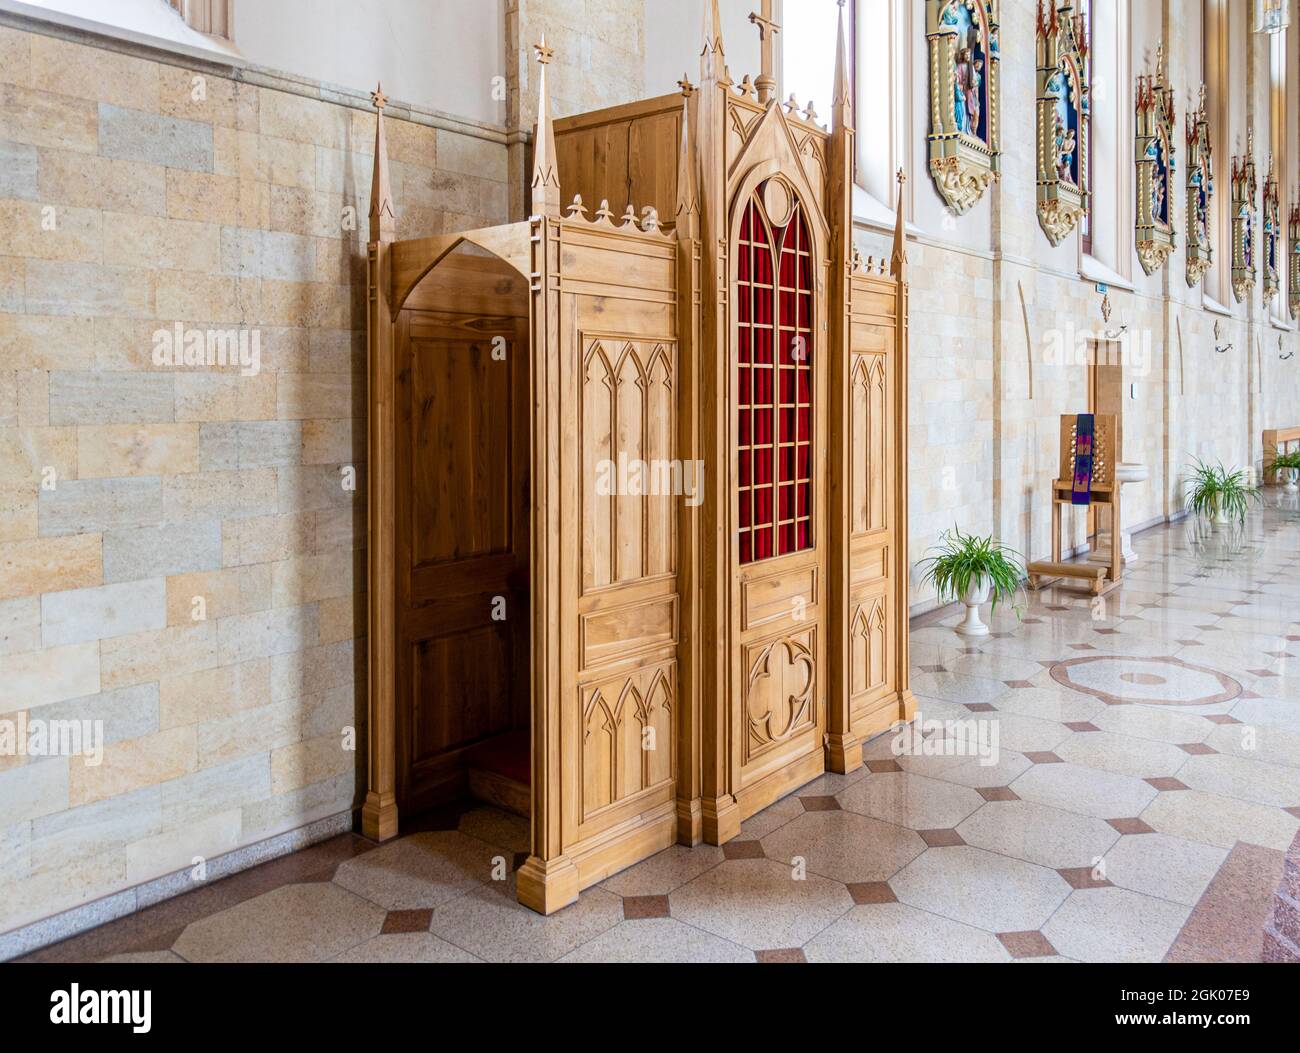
[1293, 256]
[964, 150]
[1063, 116]
[1200, 190]
[1154, 155]
[1272, 233]
[1243, 221]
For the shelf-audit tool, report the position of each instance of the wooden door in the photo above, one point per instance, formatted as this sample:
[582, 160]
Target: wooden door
[462, 544]
[778, 562]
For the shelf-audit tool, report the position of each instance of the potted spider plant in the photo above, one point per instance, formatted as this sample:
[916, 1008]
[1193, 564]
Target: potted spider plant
[973, 569]
[1287, 467]
[1218, 494]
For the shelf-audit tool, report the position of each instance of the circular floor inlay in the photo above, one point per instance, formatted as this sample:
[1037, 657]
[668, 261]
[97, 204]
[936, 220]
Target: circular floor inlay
[1120, 679]
[1142, 678]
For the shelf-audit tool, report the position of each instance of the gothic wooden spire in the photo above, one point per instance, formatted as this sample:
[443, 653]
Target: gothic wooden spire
[712, 58]
[842, 102]
[688, 194]
[546, 172]
[898, 258]
[383, 224]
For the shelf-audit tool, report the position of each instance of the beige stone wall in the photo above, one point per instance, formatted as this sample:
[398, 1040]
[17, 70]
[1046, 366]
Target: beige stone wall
[179, 551]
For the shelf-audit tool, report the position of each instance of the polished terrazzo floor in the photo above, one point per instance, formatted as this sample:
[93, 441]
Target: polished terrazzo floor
[1146, 785]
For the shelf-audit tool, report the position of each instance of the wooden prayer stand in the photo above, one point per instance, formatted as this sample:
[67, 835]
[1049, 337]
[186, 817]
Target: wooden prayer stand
[1104, 490]
[628, 669]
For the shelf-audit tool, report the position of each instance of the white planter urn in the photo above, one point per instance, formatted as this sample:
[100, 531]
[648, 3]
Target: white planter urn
[1289, 477]
[976, 593]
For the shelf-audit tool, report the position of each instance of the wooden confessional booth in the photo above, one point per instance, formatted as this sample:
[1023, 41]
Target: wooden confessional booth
[637, 495]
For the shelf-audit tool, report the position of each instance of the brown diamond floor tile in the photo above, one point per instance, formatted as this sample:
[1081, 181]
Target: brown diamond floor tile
[820, 804]
[946, 838]
[1293, 811]
[743, 850]
[1196, 749]
[981, 707]
[1132, 826]
[1209, 628]
[636, 908]
[880, 767]
[1082, 877]
[1191, 643]
[1019, 684]
[1043, 757]
[1048, 663]
[997, 793]
[932, 669]
[786, 956]
[1081, 725]
[1279, 654]
[872, 892]
[1082, 647]
[1166, 782]
[1106, 632]
[1031, 944]
[406, 921]
[1261, 672]
[1222, 718]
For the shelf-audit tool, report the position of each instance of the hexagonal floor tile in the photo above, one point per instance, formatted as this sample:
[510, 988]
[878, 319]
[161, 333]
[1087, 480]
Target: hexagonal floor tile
[1115, 925]
[758, 903]
[1038, 834]
[980, 888]
[1164, 866]
[409, 947]
[665, 871]
[1122, 754]
[422, 870]
[1222, 821]
[1085, 791]
[294, 923]
[663, 940]
[914, 801]
[896, 932]
[844, 846]
[492, 924]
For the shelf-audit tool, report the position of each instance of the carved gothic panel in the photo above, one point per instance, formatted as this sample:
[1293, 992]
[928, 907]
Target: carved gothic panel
[869, 650]
[1063, 116]
[627, 737]
[1154, 159]
[869, 416]
[1200, 191]
[780, 691]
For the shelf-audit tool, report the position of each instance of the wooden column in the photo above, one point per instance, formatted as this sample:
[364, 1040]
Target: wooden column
[548, 880]
[898, 268]
[690, 814]
[379, 813]
[843, 748]
[718, 690]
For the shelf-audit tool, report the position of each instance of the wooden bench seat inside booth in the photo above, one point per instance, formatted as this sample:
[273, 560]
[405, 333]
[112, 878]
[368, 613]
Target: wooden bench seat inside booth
[680, 653]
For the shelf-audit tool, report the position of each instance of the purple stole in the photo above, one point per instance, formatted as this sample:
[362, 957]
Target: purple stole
[1083, 430]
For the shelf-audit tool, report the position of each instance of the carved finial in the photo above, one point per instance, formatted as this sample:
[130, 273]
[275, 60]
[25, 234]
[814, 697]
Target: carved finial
[603, 214]
[688, 198]
[688, 89]
[629, 218]
[546, 170]
[576, 209]
[712, 57]
[855, 261]
[746, 86]
[383, 223]
[898, 258]
[767, 31]
[810, 111]
[650, 219]
[791, 104]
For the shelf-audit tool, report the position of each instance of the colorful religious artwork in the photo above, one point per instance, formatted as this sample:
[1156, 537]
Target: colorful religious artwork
[1200, 190]
[1293, 258]
[1272, 223]
[1081, 492]
[1063, 117]
[1154, 154]
[964, 150]
[1243, 220]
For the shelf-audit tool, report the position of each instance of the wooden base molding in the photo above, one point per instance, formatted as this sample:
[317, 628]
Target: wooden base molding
[379, 817]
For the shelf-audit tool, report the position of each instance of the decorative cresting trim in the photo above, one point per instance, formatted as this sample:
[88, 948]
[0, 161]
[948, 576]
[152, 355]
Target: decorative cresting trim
[1063, 116]
[1154, 156]
[1293, 258]
[965, 154]
[1200, 191]
[1243, 220]
[1272, 233]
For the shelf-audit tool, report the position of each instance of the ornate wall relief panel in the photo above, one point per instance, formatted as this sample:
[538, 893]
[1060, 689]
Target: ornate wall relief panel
[1243, 221]
[627, 736]
[780, 691]
[1293, 258]
[1063, 117]
[1200, 191]
[964, 133]
[1154, 157]
[1272, 234]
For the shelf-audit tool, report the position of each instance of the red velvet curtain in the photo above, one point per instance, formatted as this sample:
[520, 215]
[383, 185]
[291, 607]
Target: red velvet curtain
[774, 374]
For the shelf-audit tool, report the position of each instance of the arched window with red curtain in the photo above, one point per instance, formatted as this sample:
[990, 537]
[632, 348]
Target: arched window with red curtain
[775, 382]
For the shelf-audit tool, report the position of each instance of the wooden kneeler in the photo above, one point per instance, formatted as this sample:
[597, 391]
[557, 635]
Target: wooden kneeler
[1103, 490]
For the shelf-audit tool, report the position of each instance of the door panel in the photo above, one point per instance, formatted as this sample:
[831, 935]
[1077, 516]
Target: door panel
[462, 546]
